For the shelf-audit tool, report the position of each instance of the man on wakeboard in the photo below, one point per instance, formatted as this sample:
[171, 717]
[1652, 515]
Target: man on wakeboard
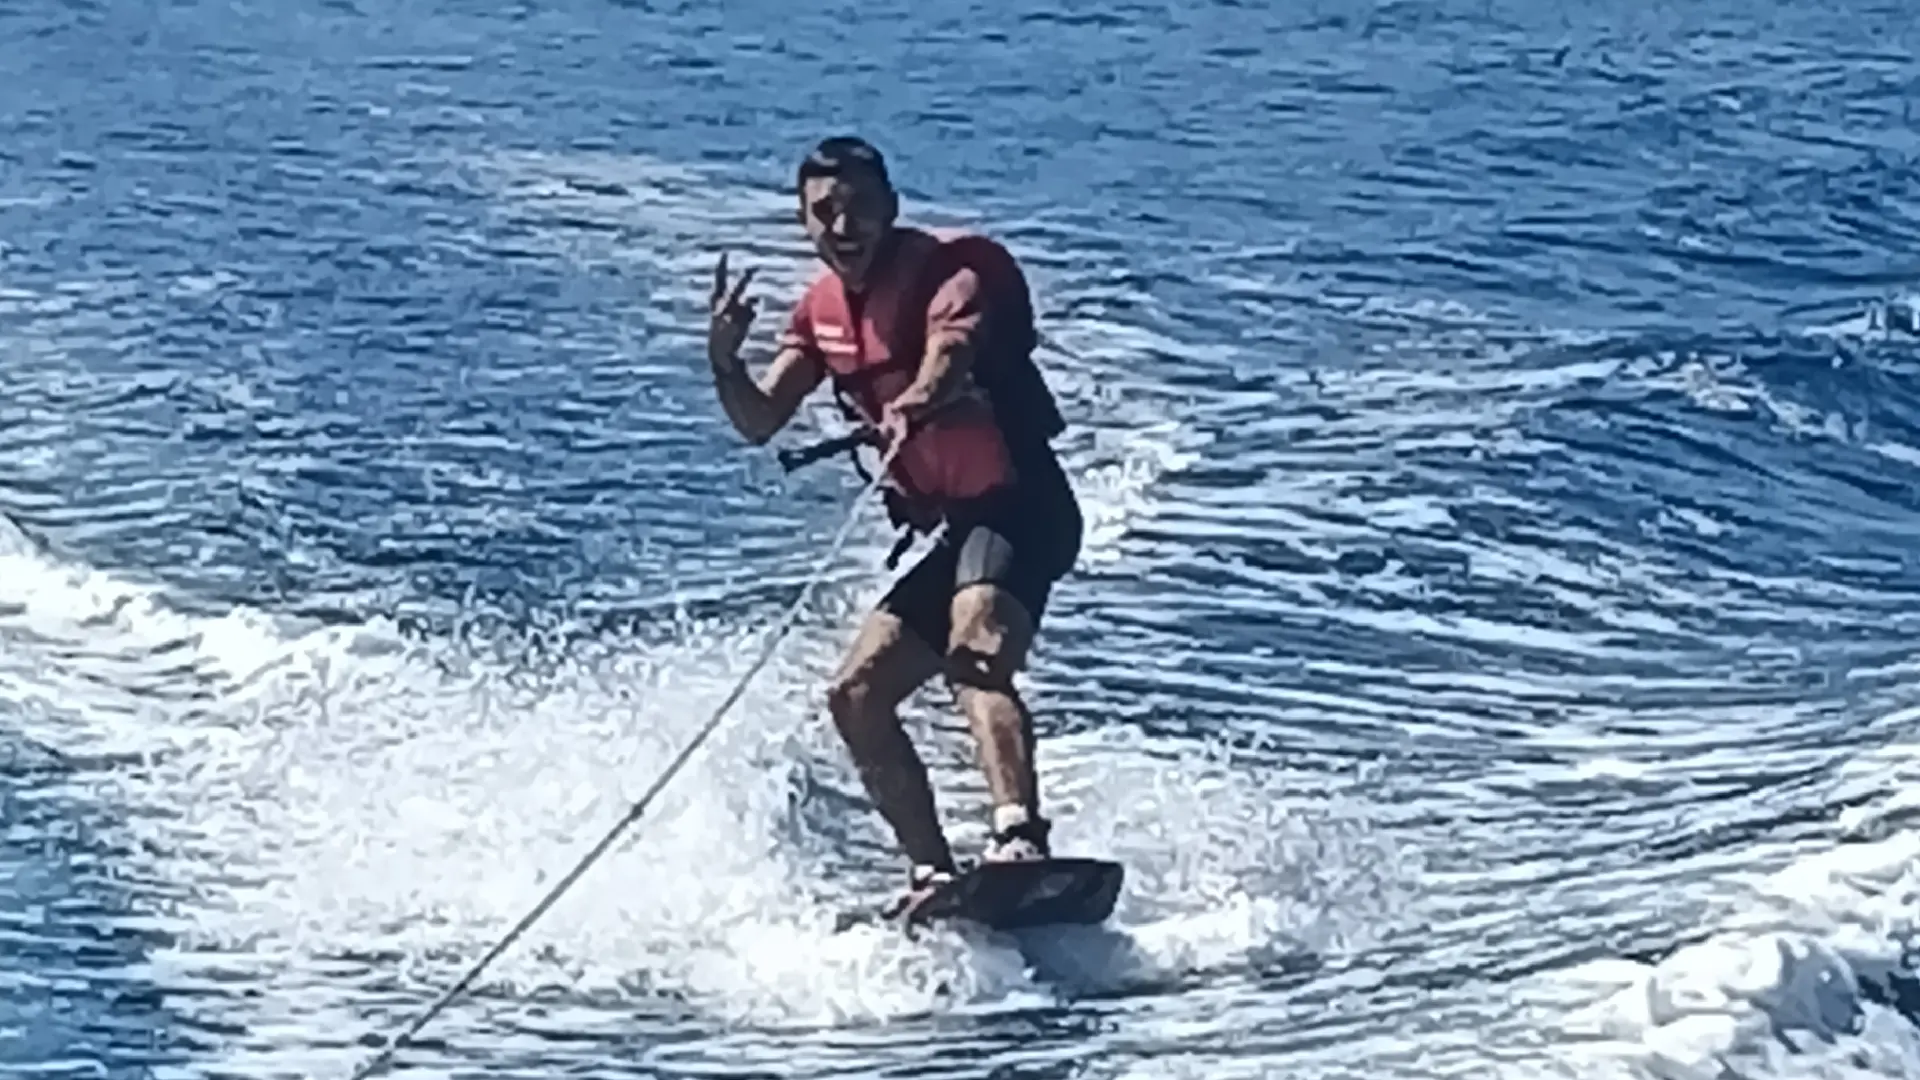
[928, 338]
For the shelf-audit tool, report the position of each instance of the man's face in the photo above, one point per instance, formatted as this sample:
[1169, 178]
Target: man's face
[847, 218]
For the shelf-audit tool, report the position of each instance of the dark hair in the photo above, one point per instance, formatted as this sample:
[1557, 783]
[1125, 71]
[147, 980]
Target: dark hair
[839, 155]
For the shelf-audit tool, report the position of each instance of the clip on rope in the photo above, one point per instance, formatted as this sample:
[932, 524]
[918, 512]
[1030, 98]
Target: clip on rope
[639, 808]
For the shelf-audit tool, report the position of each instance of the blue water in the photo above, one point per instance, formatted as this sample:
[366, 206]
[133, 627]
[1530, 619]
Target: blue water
[1491, 656]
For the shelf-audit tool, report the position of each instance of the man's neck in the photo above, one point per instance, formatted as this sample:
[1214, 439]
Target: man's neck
[882, 259]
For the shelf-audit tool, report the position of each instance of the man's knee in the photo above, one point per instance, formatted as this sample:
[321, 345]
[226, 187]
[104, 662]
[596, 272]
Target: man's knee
[883, 669]
[988, 644]
[847, 696]
[881, 682]
[861, 707]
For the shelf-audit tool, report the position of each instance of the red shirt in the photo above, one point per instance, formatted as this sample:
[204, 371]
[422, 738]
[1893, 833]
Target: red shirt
[874, 342]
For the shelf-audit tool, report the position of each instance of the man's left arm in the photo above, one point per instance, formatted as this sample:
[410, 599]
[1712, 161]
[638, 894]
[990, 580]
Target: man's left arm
[953, 323]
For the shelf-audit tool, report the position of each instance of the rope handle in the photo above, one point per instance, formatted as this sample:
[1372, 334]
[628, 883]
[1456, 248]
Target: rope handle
[800, 456]
[863, 434]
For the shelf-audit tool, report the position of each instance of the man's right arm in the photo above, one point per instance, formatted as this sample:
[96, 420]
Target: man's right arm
[760, 409]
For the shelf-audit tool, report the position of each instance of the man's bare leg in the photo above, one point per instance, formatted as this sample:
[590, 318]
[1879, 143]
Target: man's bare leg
[989, 642]
[885, 665]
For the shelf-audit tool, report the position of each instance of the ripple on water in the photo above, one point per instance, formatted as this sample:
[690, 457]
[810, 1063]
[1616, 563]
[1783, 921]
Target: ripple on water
[1488, 656]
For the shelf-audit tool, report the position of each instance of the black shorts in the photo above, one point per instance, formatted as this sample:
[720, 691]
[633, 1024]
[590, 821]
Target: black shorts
[1023, 539]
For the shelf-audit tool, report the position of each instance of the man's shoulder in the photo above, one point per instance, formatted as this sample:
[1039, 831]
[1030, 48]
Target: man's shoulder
[943, 234]
[952, 250]
[958, 238]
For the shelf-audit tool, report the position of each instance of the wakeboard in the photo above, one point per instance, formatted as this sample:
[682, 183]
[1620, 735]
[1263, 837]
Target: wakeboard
[1022, 895]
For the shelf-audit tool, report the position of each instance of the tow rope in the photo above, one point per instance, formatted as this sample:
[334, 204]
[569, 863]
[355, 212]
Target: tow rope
[790, 460]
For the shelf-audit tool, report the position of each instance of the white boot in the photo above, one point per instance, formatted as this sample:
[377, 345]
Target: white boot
[1017, 836]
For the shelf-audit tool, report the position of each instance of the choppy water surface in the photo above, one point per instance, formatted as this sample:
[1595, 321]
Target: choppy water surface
[1492, 655]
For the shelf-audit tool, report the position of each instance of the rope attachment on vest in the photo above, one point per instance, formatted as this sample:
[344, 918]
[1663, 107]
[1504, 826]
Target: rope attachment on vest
[850, 444]
[780, 630]
[801, 456]
[866, 433]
